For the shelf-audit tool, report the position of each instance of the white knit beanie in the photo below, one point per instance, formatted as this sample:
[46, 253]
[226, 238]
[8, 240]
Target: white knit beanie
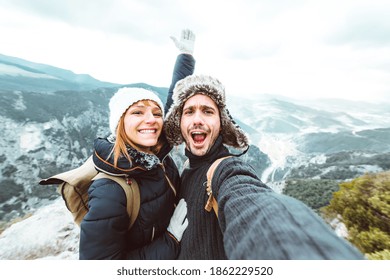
[124, 98]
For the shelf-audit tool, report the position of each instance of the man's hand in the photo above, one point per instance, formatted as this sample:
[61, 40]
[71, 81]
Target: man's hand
[186, 43]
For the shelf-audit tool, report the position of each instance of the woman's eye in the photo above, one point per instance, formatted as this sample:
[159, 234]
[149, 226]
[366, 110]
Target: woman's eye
[136, 113]
[158, 115]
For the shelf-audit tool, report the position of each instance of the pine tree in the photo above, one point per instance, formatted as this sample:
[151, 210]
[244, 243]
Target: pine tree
[364, 205]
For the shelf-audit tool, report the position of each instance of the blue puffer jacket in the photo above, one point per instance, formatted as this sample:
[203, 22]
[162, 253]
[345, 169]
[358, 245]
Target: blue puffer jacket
[104, 230]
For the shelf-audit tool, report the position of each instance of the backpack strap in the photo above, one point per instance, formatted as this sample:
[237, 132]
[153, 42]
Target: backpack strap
[131, 189]
[211, 201]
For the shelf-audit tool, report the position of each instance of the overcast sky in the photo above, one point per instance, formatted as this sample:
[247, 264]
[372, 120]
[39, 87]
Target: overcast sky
[322, 48]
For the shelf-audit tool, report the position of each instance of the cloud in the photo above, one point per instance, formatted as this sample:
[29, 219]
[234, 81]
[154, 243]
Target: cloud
[297, 48]
[365, 26]
[140, 20]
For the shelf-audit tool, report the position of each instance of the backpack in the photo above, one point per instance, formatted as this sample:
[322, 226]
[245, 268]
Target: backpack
[73, 186]
[211, 201]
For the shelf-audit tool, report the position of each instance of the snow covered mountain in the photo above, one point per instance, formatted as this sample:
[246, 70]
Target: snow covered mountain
[20, 74]
[332, 139]
[50, 116]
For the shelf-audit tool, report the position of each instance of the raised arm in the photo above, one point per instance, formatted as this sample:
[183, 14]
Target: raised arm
[185, 62]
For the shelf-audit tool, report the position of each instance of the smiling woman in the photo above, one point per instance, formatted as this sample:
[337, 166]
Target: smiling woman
[133, 150]
[136, 150]
[139, 124]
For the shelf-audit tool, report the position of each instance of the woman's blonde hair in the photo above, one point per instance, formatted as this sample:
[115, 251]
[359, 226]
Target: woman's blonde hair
[122, 140]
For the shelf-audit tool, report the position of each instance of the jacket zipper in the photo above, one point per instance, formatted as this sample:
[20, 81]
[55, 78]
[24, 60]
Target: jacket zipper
[153, 230]
[168, 180]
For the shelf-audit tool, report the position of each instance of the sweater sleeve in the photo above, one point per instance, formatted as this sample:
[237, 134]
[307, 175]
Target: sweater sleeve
[184, 66]
[258, 223]
[103, 233]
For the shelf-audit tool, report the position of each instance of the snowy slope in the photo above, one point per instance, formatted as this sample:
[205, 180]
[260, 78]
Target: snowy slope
[48, 234]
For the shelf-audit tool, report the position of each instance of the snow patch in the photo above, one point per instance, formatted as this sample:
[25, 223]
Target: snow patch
[277, 186]
[278, 148]
[364, 168]
[319, 159]
[30, 138]
[339, 227]
[49, 234]
[19, 103]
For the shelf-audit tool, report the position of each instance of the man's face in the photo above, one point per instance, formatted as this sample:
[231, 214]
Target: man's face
[200, 124]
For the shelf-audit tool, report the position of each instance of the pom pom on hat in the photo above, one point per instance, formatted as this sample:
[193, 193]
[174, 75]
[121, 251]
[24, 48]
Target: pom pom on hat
[124, 98]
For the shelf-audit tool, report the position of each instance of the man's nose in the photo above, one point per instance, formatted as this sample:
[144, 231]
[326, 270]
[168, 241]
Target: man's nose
[198, 118]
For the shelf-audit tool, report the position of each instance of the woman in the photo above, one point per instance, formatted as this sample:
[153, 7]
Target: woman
[137, 148]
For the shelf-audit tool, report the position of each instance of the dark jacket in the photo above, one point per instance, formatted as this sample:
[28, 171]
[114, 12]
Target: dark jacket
[104, 230]
[254, 222]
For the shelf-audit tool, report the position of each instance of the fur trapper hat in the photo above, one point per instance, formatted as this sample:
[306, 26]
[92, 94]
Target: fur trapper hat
[232, 134]
[124, 98]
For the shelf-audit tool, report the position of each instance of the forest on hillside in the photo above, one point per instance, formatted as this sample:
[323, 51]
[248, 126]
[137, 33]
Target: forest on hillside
[362, 204]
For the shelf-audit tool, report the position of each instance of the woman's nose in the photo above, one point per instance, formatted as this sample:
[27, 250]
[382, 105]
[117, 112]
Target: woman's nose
[150, 118]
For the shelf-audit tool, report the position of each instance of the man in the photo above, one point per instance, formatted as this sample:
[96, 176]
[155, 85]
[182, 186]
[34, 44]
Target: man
[253, 221]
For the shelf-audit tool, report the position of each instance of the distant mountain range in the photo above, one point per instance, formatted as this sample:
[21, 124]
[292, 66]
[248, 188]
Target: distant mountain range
[333, 139]
[20, 74]
[50, 117]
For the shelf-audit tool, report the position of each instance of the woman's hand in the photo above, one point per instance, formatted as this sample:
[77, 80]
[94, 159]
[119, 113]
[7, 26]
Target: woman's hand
[179, 222]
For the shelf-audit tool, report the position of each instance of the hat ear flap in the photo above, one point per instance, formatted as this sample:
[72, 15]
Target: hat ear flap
[231, 133]
[172, 127]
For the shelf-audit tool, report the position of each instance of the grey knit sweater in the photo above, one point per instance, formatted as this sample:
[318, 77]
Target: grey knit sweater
[254, 221]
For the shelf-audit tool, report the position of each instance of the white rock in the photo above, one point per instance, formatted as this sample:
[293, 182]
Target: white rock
[48, 234]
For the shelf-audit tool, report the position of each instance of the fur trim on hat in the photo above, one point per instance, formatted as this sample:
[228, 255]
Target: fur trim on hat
[124, 98]
[232, 134]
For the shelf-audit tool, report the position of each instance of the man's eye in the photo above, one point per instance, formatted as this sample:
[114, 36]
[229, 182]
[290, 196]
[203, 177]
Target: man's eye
[209, 112]
[188, 112]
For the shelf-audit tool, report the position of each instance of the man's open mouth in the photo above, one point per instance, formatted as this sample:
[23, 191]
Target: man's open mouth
[198, 137]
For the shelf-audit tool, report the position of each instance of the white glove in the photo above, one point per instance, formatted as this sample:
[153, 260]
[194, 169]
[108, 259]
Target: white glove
[179, 222]
[186, 43]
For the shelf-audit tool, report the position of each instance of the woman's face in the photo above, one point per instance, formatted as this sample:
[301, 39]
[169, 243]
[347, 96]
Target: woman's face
[143, 124]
